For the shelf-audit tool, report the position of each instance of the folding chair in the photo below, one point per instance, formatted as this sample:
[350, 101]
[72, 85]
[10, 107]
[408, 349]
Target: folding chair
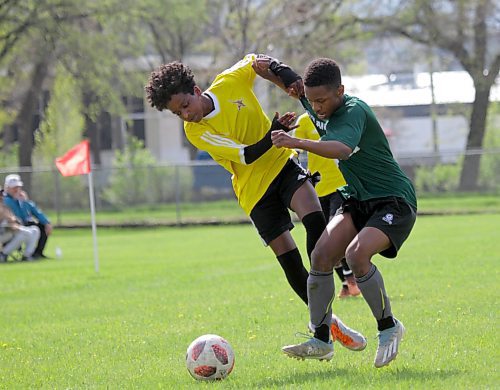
[15, 255]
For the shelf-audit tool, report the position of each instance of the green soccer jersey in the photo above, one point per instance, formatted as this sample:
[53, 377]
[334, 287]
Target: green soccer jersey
[371, 170]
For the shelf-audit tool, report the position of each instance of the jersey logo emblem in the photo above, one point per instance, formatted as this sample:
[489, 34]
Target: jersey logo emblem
[319, 124]
[388, 218]
[239, 103]
[356, 150]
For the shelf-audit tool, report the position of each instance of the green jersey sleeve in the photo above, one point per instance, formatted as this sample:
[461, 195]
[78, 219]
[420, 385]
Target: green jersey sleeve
[347, 128]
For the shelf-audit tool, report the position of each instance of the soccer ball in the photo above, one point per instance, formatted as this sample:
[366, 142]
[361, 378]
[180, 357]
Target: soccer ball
[209, 357]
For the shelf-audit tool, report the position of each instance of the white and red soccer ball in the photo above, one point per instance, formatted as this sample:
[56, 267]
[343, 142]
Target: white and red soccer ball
[209, 357]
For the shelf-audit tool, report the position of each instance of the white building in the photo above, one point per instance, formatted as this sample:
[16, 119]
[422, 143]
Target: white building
[403, 104]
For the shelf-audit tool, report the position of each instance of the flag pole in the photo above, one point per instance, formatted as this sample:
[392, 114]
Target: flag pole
[92, 216]
[76, 161]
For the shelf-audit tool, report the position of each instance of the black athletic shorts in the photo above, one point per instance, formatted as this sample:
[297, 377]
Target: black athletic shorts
[330, 204]
[270, 215]
[392, 215]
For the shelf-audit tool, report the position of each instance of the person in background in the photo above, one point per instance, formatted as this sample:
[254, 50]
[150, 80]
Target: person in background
[13, 235]
[228, 122]
[329, 197]
[26, 211]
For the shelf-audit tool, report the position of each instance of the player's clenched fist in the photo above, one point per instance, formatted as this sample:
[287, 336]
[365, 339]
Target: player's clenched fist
[283, 140]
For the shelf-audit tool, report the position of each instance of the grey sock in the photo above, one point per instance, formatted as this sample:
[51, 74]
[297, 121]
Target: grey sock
[373, 290]
[320, 293]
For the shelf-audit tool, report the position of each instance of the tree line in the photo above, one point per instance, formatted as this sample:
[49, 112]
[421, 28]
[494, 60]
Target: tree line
[96, 47]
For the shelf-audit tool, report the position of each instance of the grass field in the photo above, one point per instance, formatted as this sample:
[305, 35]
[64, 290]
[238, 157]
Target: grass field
[64, 326]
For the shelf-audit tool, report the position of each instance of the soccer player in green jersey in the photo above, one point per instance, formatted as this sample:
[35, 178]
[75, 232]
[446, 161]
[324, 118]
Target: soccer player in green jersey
[329, 197]
[377, 215]
[228, 122]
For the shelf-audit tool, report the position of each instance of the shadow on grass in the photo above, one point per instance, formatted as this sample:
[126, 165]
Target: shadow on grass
[304, 377]
[378, 377]
[19, 262]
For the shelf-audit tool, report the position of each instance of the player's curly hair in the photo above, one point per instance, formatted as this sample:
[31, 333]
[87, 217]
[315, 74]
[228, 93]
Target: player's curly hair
[167, 80]
[322, 71]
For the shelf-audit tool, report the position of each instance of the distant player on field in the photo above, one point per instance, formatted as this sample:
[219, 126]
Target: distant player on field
[377, 215]
[228, 122]
[329, 197]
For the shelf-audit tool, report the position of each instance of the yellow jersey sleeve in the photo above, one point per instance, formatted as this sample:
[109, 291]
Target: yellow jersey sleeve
[242, 70]
[238, 120]
[331, 177]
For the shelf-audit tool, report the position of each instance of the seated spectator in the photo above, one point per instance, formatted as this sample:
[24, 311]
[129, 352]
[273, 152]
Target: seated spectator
[13, 235]
[26, 211]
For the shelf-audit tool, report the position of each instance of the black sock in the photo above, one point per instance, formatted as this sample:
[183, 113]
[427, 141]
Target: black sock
[340, 272]
[385, 323]
[345, 267]
[322, 333]
[295, 273]
[315, 224]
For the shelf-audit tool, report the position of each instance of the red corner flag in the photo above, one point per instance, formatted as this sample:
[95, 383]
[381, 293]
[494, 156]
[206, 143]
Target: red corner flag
[76, 161]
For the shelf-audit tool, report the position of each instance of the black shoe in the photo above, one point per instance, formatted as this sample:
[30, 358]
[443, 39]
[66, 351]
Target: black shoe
[40, 256]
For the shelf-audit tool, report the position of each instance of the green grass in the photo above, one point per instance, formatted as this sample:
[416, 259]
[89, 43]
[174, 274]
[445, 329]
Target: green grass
[128, 327]
[459, 203]
[229, 211]
[216, 211]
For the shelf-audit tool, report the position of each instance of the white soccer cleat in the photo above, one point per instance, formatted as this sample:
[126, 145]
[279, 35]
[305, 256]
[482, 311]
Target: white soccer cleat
[388, 344]
[311, 349]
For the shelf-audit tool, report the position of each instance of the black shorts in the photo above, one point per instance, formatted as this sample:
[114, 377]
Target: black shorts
[391, 215]
[270, 215]
[330, 204]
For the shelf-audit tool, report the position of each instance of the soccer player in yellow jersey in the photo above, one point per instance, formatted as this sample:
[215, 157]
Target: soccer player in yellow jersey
[329, 197]
[228, 122]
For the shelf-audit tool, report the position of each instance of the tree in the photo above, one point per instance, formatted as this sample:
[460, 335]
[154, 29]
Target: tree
[173, 34]
[29, 30]
[60, 129]
[297, 29]
[63, 123]
[466, 29]
[35, 35]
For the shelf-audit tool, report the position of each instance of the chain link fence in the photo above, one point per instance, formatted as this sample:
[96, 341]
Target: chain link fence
[201, 191]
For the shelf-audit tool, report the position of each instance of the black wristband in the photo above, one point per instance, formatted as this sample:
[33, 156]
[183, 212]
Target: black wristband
[254, 151]
[284, 72]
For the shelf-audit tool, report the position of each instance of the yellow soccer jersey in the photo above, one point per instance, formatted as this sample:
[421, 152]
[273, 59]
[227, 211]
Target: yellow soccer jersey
[331, 177]
[237, 121]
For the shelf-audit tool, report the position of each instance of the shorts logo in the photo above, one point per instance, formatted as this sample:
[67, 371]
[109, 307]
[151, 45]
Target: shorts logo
[301, 176]
[388, 218]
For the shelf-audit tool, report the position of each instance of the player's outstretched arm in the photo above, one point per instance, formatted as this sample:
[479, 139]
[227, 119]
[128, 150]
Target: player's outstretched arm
[328, 149]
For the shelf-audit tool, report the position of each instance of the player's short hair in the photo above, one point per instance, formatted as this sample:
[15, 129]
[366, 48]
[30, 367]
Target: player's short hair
[322, 71]
[168, 80]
